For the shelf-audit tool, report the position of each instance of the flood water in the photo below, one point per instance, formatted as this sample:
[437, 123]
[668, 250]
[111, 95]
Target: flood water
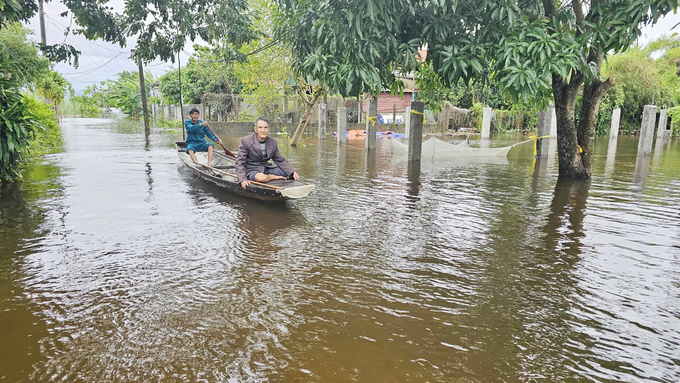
[118, 264]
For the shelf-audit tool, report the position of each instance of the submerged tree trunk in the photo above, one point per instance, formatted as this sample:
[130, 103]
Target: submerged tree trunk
[587, 124]
[592, 95]
[570, 161]
[309, 106]
[303, 123]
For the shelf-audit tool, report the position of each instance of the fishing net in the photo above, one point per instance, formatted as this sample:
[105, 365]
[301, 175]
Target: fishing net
[436, 148]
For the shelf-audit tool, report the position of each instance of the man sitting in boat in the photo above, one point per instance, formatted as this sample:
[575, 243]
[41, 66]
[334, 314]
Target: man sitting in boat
[254, 154]
[196, 132]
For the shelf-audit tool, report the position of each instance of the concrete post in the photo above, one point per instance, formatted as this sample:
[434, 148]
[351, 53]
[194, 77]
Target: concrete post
[342, 125]
[553, 121]
[370, 128]
[663, 120]
[407, 122]
[178, 113]
[543, 129]
[155, 93]
[360, 108]
[166, 112]
[616, 121]
[415, 141]
[486, 122]
[647, 130]
[322, 121]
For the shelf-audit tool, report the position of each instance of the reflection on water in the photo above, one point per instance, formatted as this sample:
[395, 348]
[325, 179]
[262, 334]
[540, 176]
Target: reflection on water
[118, 264]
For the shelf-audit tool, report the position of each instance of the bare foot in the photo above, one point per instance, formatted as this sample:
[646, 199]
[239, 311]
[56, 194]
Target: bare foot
[271, 177]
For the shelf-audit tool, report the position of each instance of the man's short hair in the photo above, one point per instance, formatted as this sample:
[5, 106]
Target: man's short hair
[194, 110]
[265, 119]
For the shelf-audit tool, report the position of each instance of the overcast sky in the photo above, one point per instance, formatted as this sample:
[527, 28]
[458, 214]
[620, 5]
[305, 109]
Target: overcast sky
[100, 60]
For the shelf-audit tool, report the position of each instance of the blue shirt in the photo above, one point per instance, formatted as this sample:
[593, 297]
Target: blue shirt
[196, 133]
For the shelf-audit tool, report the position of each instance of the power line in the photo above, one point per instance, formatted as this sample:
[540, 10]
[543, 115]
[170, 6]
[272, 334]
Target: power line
[89, 71]
[312, 17]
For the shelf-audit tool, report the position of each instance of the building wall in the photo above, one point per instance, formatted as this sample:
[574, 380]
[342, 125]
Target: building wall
[386, 102]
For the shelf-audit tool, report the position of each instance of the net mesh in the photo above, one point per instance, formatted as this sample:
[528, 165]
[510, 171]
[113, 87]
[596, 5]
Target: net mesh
[436, 148]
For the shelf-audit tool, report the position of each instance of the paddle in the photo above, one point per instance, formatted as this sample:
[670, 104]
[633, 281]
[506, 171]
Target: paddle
[227, 152]
[232, 175]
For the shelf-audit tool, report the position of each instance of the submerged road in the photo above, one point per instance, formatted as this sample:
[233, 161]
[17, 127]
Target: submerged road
[117, 264]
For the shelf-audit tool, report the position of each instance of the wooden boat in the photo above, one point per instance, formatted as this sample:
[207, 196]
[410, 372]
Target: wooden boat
[222, 174]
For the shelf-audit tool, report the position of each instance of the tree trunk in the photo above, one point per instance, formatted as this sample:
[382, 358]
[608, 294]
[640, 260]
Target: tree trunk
[570, 162]
[592, 95]
[302, 125]
[309, 106]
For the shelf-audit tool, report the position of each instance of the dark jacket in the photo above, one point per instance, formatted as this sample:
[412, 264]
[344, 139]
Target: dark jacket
[250, 157]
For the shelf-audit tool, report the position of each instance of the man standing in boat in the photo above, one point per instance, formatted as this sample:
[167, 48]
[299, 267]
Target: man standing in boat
[254, 154]
[196, 132]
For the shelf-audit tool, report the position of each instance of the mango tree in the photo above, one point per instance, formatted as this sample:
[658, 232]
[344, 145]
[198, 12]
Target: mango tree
[536, 51]
[161, 27]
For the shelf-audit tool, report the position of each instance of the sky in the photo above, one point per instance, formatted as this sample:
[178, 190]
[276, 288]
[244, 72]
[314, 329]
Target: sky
[100, 60]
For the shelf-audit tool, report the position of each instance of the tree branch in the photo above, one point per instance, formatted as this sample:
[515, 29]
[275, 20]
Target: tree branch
[578, 11]
[549, 7]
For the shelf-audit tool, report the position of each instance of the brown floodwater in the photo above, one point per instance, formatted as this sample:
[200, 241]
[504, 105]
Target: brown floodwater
[117, 264]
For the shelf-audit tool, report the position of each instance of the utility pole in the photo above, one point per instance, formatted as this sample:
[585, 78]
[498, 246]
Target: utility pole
[143, 91]
[43, 38]
[181, 107]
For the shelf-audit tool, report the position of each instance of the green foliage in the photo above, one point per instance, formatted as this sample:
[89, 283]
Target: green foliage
[169, 86]
[16, 10]
[89, 104]
[53, 87]
[204, 73]
[19, 60]
[168, 124]
[674, 114]
[47, 138]
[17, 127]
[125, 94]
[642, 76]
[613, 99]
[160, 27]
[431, 89]
[355, 47]
[265, 75]
[20, 66]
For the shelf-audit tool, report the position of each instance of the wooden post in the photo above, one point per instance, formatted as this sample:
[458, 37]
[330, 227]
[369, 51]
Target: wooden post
[415, 141]
[647, 130]
[486, 122]
[342, 125]
[322, 121]
[371, 129]
[616, 121]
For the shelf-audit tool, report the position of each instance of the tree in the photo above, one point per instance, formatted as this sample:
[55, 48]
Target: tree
[206, 78]
[264, 75]
[529, 48]
[125, 93]
[53, 86]
[161, 27]
[310, 94]
[20, 66]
